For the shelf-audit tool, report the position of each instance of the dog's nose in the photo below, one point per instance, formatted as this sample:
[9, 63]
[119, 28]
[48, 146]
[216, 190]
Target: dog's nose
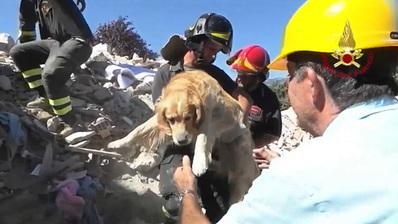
[183, 141]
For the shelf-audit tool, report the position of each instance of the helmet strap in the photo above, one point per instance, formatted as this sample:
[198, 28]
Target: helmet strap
[198, 49]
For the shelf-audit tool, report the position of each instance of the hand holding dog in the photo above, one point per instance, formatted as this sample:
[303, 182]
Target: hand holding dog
[263, 156]
[184, 178]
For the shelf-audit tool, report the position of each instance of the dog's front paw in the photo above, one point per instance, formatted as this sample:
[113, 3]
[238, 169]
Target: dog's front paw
[199, 165]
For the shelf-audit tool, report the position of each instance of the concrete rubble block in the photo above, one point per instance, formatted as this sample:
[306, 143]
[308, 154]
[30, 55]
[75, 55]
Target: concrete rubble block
[80, 89]
[143, 88]
[40, 114]
[54, 124]
[102, 126]
[76, 102]
[292, 135]
[5, 83]
[101, 95]
[101, 52]
[109, 107]
[6, 42]
[147, 99]
[145, 161]
[79, 136]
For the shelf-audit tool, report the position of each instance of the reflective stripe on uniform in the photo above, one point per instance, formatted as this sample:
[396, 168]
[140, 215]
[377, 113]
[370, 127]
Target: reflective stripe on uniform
[61, 106]
[35, 84]
[27, 33]
[60, 101]
[63, 111]
[31, 72]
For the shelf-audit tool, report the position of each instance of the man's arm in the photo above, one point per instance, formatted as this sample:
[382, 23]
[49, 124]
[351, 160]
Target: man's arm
[191, 212]
[161, 79]
[185, 180]
[243, 98]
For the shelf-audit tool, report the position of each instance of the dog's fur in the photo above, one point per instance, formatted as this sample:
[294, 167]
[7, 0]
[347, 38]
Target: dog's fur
[193, 108]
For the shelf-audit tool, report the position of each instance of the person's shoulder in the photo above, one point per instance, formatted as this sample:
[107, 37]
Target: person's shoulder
[266, 88]
[268, 91]
[164, 67]
[217, 70]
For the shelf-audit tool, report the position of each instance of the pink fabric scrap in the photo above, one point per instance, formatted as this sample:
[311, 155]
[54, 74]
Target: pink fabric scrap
[71, 205]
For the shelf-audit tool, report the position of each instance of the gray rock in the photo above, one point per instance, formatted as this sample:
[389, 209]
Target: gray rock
[5, 83]
[76, 102]
[6, 42]
[102, 95]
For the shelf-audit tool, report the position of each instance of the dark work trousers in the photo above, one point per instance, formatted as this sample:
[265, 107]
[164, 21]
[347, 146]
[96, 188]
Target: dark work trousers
[213, 189]
[60, 61]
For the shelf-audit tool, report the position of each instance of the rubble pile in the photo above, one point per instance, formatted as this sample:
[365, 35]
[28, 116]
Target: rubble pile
[46, 179]
[292, 135]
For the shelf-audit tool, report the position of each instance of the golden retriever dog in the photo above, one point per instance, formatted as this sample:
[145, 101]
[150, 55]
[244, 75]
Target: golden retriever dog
[194, 109]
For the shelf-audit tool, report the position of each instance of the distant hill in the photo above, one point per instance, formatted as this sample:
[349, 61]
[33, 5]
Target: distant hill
[274, 81]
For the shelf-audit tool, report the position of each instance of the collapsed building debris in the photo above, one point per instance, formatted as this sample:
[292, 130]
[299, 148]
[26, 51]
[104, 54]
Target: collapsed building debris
[76, 171]
[51, 178]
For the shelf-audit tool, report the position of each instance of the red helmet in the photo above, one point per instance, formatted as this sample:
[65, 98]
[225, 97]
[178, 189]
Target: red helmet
[252, 59]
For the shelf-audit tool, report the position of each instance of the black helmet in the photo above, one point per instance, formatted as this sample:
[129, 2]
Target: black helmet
[214, 27]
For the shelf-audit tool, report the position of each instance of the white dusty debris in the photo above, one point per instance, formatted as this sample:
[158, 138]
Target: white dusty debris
[111, 95]
[33, 160]
[292, 135]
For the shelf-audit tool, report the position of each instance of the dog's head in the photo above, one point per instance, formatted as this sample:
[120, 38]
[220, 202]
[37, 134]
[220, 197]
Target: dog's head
[180, 115]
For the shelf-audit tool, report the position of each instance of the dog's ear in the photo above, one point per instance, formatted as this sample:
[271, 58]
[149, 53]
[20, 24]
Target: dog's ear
[160, 110]
[199, 110]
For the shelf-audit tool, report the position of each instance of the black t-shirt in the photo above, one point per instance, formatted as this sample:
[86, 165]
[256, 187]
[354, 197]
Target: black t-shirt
[265, 114]
[166, 72]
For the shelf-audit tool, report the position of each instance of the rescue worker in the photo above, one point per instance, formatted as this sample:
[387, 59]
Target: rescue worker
[264, 115]
[64, 46]
[341, 66]
[210, 34]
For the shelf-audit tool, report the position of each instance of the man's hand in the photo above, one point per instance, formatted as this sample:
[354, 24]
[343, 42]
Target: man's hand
[185, 181]
[263, 156]
[184, 178]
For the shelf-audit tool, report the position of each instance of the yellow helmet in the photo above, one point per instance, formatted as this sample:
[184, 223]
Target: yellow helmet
[336, 25]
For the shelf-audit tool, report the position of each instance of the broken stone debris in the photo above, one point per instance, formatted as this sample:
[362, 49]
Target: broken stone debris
[44, 160]
[110, 108]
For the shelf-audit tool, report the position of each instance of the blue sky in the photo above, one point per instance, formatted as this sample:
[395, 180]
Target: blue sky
[254, 21]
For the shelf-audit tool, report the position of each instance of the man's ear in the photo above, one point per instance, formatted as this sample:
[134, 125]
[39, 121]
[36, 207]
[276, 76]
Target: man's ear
[163, 124]
[317, 88]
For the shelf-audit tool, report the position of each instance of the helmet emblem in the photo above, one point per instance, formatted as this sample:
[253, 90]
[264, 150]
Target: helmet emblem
[347, 53]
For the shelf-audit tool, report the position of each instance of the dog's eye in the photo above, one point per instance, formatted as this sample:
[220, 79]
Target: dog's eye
[188, 118]
[171, 120]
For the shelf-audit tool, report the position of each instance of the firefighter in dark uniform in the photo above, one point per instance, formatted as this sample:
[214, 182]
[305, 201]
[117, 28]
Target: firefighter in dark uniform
[64, 46]
[250, 64]
[264, 115]
[211, 33]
